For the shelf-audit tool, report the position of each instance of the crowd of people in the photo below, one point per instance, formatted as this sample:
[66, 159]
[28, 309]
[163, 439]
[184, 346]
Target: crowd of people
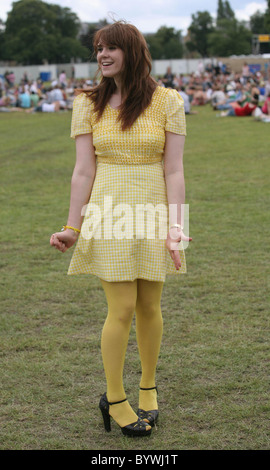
[229, 93]
[233, 94]
[38, 95]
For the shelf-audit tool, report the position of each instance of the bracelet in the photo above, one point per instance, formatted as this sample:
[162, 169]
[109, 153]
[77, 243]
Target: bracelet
[76, 230]
[177, 226]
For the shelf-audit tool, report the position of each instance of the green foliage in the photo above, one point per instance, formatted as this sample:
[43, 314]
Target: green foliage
[199, 30]
[224, 11]
[230, 37]
[267, 19]
[257, 22]
[37, 31]
[87, 38]
[165, 44]
[259, 25]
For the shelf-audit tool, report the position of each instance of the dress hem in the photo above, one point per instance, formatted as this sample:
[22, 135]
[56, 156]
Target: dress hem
[147, 278]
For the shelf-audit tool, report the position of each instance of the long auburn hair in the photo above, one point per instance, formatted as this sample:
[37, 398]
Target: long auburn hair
[137, 84]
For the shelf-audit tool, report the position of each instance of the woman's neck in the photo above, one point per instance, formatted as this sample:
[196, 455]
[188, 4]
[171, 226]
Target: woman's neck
[118, 84]
[117, 97]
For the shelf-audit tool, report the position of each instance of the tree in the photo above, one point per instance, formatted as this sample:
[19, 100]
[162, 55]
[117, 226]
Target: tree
[267, 18]
[2, 39]
[260, 24]
[166, 43]
[224, 11]
[220, 10]
[37, 32]
[86, 38]
[231, 37]
[257, 22]
[199, 30]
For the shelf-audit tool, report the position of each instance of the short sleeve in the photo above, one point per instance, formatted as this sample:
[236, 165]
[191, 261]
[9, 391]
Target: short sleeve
[81, 116]
[175, 113]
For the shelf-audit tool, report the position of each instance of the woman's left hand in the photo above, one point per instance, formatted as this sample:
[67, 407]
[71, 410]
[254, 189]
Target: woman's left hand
[63, 240]
[174, 237]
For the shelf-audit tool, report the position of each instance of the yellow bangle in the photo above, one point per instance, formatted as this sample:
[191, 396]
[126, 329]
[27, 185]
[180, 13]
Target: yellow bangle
[71, 228]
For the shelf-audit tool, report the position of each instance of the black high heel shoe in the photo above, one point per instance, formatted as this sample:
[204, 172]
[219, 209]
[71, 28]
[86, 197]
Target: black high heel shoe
[134, 429]
[151, 415]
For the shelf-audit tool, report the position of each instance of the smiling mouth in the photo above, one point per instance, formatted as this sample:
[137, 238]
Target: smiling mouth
[106, 64]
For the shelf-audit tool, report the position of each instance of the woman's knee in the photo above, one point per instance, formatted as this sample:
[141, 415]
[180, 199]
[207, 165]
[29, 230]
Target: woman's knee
[148, 309]
[149, 298]
[124, 311]
[121, 300]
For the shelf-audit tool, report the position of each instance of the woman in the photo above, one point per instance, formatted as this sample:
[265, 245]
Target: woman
[124, 128]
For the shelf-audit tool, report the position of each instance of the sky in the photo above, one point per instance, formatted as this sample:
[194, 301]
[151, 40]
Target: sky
[148, 15]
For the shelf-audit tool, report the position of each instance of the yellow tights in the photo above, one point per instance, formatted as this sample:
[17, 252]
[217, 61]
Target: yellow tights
[123, 298]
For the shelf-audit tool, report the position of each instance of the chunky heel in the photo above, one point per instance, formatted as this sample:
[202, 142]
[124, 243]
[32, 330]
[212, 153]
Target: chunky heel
[139, 428]
[105, 413]
[150, 415]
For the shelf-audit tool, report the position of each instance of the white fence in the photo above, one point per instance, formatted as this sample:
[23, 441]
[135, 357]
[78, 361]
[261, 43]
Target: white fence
[159, 67]
[88, 70]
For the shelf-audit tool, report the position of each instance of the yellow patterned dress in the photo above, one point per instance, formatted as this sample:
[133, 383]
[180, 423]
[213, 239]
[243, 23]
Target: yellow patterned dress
[122, 236]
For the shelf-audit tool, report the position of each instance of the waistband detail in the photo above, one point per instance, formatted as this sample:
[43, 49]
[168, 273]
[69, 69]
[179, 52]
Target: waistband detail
[128, 160]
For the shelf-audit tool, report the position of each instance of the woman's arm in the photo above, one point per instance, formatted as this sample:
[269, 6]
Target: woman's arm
[82, 179]
[175, 184]
[81, 185]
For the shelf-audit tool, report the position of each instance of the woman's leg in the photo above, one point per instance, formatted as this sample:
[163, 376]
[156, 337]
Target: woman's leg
[121, 299]
[149, 328]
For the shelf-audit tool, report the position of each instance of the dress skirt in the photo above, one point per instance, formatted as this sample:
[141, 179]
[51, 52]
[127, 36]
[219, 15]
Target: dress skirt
[125, 226]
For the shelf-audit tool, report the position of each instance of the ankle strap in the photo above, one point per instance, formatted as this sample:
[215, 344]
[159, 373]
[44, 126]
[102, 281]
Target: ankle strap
[151, 388]
[117, 402]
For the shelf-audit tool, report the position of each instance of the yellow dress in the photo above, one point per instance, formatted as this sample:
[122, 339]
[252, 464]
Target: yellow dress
[123, 235]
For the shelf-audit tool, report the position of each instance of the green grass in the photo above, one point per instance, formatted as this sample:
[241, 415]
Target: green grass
[213, 372]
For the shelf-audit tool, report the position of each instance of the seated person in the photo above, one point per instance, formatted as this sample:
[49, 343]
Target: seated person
[57, 95]
[237, 96]
[266, 106]
[24, 99]
[199, 97]
[45, 107]
[260, 116]
[185, 97]
[34, 98]
[187, 106]
[238, 110]
[48, 107]
[218, 96]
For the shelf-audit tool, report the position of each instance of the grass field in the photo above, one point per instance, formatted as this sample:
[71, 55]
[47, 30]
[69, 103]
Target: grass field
[213, 373]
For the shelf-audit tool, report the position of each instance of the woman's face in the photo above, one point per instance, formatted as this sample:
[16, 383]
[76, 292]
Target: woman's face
[110, 60]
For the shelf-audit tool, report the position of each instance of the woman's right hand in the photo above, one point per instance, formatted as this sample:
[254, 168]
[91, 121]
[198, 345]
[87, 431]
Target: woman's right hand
[63, 240]
[174, 237]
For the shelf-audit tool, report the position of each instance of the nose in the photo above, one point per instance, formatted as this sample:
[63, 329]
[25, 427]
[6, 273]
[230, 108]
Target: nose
[104, 52]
